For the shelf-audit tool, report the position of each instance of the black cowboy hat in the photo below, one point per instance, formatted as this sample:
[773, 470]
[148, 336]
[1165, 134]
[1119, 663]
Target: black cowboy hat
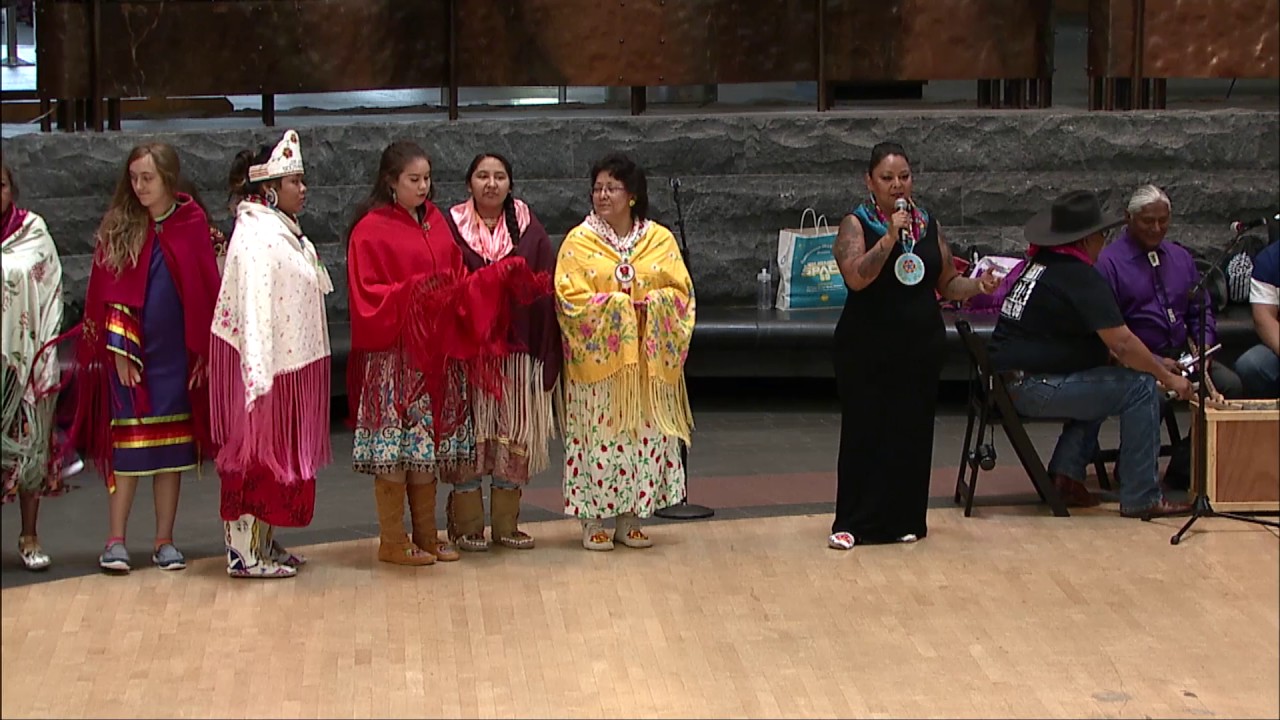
[1073, 216]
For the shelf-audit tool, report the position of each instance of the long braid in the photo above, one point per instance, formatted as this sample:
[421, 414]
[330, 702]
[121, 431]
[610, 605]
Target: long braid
[509, 212]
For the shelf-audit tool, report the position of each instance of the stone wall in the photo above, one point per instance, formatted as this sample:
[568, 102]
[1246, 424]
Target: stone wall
[743, 176]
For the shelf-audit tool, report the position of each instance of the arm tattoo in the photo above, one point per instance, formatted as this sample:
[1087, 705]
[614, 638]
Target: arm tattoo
[847, 248]
[873, 261]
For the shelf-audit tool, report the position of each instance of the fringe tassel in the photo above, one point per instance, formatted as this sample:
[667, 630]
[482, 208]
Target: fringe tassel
[558, 405]
[617, 400]
[30, 460]
[285, 431]
[669, 409]
[629, 404]
[89, 430]
[522, 416]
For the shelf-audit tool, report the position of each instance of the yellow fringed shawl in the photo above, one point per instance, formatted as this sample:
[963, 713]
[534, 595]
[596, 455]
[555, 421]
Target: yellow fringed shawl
[638, 354]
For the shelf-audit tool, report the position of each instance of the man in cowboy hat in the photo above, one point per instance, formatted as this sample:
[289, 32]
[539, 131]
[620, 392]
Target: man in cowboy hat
[1059, 327]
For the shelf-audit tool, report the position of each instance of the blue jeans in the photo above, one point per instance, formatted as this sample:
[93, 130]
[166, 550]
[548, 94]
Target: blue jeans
[1086, 399]
[474, 484]
[1259, 371]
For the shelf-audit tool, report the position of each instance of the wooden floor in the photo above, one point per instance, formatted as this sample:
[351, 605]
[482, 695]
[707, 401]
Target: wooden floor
[1008, 614]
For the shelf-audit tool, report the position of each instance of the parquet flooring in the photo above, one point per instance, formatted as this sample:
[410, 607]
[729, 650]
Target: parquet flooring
[1011, 614]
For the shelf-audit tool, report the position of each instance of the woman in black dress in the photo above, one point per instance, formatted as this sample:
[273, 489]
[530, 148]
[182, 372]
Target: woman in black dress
[888, 355]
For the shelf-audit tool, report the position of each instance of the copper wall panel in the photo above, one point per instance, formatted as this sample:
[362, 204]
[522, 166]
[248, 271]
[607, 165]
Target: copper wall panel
[773, 41]
[634, 42]
[1212, 39]
[1110, 24]
[862, 40]
[541, 42]
[1187, 38]
[62, 48]
[937, 39]
[196, 47]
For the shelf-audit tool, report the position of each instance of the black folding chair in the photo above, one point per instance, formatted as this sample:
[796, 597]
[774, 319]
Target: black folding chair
[989, 403]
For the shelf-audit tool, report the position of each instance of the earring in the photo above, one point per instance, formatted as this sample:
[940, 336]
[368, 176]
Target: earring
[631, 202]
[393, 196]
[272, 197]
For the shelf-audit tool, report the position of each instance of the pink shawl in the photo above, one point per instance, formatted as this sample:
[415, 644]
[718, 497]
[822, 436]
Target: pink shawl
[492, 245]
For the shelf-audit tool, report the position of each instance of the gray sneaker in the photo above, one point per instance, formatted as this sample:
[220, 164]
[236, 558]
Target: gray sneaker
[169, 557]
[114, 558]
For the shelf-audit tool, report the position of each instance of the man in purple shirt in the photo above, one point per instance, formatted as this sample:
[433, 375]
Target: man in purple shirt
[1152, 280]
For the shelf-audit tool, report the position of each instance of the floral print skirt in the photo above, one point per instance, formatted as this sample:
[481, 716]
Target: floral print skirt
[607, 472]
[393, 440]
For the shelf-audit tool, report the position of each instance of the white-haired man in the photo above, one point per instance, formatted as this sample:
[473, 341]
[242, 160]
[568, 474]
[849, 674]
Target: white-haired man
[1153, 279]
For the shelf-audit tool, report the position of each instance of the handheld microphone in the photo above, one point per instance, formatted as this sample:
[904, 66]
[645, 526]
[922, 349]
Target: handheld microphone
[1244, 226]
[675, 183]
[901, 204]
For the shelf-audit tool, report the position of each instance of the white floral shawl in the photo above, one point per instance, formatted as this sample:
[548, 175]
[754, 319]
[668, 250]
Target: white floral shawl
[32, 304]
[271, 307]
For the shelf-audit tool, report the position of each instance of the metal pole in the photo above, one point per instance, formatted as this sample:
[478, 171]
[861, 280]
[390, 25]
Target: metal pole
[11, 34]
[95, 66]
[1139, 42]
[824, 99]
[453, 60]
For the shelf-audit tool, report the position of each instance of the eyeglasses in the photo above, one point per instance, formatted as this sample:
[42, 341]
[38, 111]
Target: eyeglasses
[607, 189]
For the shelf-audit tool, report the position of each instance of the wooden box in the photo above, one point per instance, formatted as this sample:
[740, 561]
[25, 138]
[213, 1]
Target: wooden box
[1244, 455]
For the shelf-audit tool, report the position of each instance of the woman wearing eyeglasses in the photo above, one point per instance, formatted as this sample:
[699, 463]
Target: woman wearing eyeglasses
[626, 308]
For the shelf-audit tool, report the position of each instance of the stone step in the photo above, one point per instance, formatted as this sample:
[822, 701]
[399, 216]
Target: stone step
[777, 143]
[744, 176]
[759, 205]
[723, 264]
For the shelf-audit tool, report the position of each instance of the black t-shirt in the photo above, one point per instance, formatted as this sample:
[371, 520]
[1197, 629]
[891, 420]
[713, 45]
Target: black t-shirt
[1050, 319]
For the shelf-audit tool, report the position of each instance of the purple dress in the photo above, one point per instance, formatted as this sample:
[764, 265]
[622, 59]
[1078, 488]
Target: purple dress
[163, 440]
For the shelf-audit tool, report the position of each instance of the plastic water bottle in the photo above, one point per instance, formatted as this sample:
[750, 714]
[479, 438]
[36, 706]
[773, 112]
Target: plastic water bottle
[764, 294]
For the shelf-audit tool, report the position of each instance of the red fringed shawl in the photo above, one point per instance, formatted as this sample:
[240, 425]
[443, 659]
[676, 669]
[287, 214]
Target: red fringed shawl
[410, 293]
[184, 241]
[534, 327]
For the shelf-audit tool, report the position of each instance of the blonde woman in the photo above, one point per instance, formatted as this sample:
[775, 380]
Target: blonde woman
[144, 344]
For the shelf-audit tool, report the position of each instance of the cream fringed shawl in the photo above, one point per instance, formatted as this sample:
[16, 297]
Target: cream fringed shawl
[32, 304]
[269, 363]
[32, 317]
[632, 345]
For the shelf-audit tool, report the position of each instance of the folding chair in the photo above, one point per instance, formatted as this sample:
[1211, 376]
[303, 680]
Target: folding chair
[990, 403]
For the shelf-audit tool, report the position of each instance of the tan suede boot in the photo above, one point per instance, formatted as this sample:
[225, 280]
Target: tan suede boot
[422, 511]
[504, 514]
[465, 513]
[394, 545]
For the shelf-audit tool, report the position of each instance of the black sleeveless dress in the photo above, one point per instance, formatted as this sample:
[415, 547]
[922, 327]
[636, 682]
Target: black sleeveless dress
[889, 347]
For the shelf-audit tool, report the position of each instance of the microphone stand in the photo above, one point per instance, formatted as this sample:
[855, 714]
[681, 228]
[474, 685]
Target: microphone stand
[683, 510]
[1201, 507]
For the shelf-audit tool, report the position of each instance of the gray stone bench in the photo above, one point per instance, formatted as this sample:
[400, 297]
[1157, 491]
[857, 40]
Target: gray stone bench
[745, 342]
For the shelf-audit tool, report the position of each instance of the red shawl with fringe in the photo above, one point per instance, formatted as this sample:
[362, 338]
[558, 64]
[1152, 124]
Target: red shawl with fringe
[534, 327]
[184, 241]
[410, 293]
